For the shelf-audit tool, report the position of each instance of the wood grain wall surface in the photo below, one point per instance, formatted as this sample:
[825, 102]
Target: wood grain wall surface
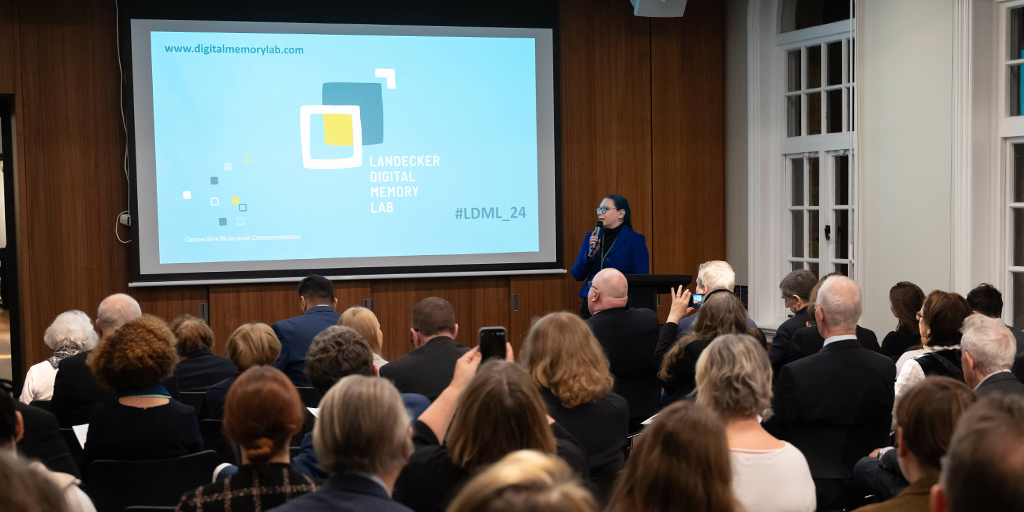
[642, 115]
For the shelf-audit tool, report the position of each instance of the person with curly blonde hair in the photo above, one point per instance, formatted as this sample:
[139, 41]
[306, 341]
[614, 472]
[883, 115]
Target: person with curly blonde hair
[565, 359]
[525, 480]
[142, 422]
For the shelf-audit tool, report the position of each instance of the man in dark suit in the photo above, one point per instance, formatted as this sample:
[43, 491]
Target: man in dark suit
[986, 300]
[629, 337]
[796, 292]
[836, 405]
[317, 302]
[75, 390]
[988, 349]
[808, 341]
[427, 370]
[42, 440]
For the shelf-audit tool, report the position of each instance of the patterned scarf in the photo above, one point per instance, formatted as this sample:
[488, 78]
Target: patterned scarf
[61, 353]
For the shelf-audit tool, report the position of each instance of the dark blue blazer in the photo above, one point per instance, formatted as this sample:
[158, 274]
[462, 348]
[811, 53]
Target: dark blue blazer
[201, 370]
[345, 492]
[628, 254]
[296, 334]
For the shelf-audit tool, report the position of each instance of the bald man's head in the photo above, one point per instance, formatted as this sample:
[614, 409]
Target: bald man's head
[840, 303]
[608, 290]
[115, 311]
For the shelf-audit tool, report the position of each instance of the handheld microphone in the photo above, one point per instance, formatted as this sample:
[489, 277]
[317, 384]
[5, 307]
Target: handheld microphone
[597, 232]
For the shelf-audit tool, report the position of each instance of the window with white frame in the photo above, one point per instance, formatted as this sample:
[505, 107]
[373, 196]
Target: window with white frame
[818, 42]
[1012, 134]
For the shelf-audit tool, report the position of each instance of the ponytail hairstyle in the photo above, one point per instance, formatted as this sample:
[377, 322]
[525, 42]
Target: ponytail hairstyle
[622, 204]
[262, 412]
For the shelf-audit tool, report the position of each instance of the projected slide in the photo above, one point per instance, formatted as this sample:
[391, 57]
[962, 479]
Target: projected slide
[306, 146]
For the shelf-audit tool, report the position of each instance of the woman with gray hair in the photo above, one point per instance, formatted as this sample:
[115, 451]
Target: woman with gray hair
[70, 333]
[734, 379]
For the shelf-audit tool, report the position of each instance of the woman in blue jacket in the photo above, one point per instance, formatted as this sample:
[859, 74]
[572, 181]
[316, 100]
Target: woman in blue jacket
[616, 246]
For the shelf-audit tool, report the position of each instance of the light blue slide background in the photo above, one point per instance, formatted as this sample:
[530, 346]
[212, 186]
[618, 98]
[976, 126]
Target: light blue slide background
[469, 100]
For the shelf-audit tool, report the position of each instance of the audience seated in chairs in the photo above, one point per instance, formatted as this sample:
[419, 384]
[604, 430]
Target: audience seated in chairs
[984, 466]
[249, 345]
[926, 418]
[336, 353]
[680, 462]
[905, 300]
[940, 320]
[262, 413]
[142, 422]
[70, 334]
[988, 351]
[796, 293]
[427, 370]
[986, 300]
[22, 480]
[364, 322]
[566, 361]
[734, 379]
[525, 480]
[317, 302]
[75, 390]
[362, 438]
[836, 405]
[500, 411]
[723, 313]
[199, 367]
[629, 337]
[808, 341]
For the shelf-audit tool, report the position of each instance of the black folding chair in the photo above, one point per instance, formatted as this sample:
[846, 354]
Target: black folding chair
[214, 439]
[194, 399]
[115, 485]
[74, 447]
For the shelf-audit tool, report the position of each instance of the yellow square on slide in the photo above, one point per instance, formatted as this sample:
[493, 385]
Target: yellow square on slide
[338, 129]
[234, 200]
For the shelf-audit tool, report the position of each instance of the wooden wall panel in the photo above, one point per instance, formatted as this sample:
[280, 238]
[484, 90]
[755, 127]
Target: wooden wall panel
[8, 46]
[606, 118]
[688, 139]
[234, 305]
[70, 168]
[478, 302]
[538, 296]
[172, 301]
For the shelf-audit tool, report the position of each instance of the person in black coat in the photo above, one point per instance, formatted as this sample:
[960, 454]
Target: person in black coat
[199, 368]
[988, 349]
[723, 313]
[249, 345]
[567, 363]
[808, 341]
[796, 292]
[836, 405]
[905, 300]
[501, 400]
[75, 390]
[43, 441]
[318, 304]
[629, 337]
[143, 422]
[427, 370]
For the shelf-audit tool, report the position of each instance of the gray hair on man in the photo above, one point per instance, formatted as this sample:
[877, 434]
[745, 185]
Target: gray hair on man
[839, 299]
[71, 329]
[716, 275]
[798, 283]
[115, 311]
[989, 342]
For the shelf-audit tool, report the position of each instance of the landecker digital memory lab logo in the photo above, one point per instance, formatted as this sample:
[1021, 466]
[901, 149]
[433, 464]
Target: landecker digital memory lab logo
[353, 116]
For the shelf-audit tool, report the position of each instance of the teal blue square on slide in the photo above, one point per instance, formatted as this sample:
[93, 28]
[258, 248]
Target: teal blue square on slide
[368, 97]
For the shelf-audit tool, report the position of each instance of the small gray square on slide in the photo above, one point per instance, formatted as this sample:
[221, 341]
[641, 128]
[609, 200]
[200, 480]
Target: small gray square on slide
[223, 221]
[213, 180]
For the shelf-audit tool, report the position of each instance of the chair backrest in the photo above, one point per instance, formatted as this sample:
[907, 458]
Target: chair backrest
[194, 399]
[214, 439]
[114, 485]
[42, 404]
[309, 396]
[74, 447]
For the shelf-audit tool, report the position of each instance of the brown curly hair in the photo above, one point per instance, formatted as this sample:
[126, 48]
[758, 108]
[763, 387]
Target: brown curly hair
[137, 356]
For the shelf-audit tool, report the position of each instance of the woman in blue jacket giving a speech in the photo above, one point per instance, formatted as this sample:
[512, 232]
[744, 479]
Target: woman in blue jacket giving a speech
[612, 244]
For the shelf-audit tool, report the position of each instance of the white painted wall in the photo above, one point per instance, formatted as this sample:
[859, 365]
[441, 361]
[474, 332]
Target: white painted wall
[736, 198]
[905, 85]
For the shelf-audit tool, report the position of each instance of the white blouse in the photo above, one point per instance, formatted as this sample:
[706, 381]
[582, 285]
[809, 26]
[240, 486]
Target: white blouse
[911, 373]
[773, 480]
[38, 383]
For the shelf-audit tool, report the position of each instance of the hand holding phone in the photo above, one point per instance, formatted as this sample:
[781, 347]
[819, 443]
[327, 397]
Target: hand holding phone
[492, 342]
[696, 300]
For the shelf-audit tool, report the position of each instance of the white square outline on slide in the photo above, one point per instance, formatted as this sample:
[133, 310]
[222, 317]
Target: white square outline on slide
[214, 201]
[356, 160]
